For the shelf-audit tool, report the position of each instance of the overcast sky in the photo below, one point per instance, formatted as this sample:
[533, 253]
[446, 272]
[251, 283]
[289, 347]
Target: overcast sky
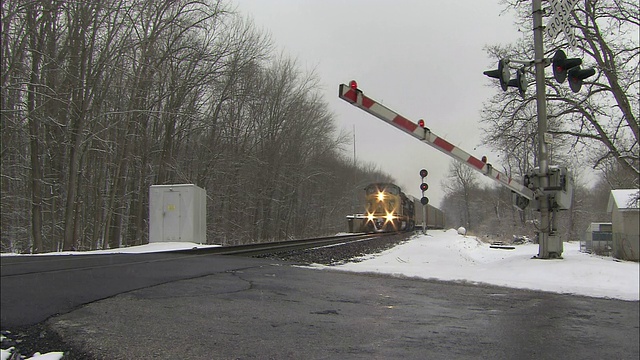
[421, 58]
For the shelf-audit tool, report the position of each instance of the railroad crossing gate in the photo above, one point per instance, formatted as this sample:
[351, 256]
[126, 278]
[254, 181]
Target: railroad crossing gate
[177, 213]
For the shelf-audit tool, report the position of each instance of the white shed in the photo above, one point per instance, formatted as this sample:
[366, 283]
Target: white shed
[177, 213]
[624, 208]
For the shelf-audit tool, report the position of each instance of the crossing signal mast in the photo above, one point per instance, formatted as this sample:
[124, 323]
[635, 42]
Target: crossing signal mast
[546, 188]
[551, 183]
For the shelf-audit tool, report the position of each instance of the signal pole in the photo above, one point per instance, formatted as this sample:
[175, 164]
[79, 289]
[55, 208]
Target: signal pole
[424, 200]
[551, 186]
[549, 246]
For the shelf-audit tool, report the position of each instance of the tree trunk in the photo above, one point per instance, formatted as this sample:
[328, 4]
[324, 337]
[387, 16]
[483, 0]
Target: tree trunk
[34, 138]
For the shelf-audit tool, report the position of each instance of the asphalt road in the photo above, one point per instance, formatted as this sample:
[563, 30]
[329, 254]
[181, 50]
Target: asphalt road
[37, 287]
[214, 307]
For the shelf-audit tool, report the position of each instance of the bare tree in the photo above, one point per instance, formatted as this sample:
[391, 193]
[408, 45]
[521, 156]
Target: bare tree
[101, 99]
[603, 115]
[36, 50]
[462, 184]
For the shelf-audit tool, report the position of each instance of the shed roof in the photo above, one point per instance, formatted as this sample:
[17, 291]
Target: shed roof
[624, 199]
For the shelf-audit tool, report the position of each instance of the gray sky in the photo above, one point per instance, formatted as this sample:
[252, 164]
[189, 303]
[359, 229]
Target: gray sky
[421, 58]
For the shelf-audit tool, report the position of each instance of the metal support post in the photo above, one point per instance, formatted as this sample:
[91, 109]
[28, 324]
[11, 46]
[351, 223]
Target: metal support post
[548, 246]
[424, 219]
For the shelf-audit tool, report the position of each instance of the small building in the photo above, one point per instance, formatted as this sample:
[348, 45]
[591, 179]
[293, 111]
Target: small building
[598, 239]
[624, 207]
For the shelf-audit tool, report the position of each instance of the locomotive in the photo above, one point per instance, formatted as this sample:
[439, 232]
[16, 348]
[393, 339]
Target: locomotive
[387, 208]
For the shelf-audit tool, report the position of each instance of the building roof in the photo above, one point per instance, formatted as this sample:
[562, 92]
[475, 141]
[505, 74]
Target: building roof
[624, 199]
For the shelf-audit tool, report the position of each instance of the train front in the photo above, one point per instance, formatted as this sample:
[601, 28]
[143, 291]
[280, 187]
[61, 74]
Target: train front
[383, 208]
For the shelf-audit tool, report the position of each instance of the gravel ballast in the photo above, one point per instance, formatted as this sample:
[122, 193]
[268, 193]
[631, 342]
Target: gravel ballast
[342, 253]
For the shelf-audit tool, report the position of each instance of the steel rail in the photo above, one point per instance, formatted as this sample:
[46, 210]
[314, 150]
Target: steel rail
[21, 266]
[278, 246]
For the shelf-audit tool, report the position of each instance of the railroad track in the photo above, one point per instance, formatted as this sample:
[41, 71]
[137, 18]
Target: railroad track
[19, 265]
[278, 246]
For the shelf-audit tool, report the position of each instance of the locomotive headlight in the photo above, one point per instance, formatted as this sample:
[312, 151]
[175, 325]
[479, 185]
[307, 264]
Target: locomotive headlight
[380, 196]
[370, 217]
[389, 216]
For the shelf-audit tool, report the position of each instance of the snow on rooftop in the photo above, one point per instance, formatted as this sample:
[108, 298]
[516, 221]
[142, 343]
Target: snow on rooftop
[624, 199]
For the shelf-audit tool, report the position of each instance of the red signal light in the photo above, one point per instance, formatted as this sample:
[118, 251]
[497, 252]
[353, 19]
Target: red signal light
[424, 187]
[353, 84]
[421, 123]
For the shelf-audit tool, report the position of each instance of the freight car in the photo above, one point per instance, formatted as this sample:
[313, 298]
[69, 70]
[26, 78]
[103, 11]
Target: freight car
[387, 208]
[434, 218]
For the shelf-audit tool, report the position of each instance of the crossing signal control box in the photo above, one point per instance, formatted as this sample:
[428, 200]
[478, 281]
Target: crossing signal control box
[560, 189]
[177, 213]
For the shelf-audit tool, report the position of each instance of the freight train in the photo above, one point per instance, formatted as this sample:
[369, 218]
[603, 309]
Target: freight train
[387, 208]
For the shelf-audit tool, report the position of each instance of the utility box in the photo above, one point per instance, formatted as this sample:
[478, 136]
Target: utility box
[560, 189]
[356, 223]
[177, 213]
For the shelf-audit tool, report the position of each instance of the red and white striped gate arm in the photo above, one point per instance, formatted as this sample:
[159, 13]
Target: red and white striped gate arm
[355, 97]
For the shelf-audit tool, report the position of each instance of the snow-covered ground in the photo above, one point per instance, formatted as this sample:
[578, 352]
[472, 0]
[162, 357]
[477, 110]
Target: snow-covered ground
[5, 354]
[446, 255]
